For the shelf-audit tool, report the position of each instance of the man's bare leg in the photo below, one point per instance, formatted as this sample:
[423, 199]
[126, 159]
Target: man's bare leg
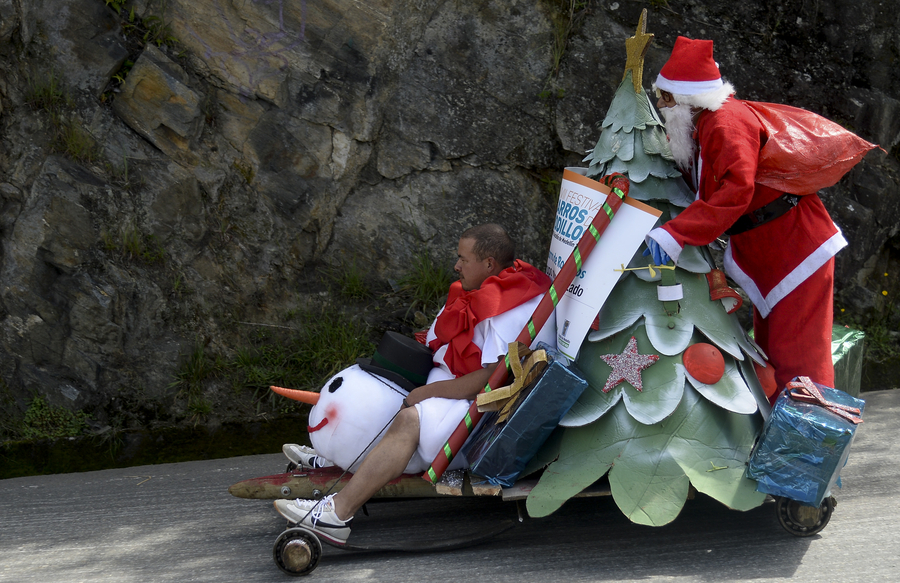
[384, 463]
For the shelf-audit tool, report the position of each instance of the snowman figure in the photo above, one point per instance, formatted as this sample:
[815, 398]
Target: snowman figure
[353, 410]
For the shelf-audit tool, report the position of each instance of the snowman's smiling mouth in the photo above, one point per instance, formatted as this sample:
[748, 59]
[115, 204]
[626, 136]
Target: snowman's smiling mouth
[318, 426]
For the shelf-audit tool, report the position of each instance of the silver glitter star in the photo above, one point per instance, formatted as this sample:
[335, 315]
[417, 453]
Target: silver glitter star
[627, 366]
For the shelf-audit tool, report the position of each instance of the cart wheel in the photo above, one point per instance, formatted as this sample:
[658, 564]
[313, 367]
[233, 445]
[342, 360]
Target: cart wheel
[297, 551]
[801, 519]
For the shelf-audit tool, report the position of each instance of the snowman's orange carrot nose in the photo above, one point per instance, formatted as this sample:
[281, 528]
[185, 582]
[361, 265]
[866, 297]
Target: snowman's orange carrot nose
[302, 396]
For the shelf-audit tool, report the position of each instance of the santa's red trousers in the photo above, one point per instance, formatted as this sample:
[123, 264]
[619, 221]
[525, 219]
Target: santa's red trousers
[796, 335]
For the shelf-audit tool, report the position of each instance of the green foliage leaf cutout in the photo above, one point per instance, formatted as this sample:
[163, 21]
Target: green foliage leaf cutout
[663, 383]
[652, 466]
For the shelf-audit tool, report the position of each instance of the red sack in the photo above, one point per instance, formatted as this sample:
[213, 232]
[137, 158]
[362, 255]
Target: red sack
[805, 152]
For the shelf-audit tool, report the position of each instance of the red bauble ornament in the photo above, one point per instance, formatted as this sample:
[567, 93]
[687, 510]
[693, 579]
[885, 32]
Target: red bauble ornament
[766, 376]
[704, 362]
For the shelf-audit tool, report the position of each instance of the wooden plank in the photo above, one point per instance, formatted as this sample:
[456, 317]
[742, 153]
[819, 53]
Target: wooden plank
[314, 483]
[486, 490]
[451, 483]
[521, 489]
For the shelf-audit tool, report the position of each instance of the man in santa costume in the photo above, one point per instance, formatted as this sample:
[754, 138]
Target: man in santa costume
[781, 246]
[485, 310]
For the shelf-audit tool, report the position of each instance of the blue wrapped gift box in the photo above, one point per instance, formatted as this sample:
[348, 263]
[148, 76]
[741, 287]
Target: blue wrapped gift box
[499, 452]
[803, 447]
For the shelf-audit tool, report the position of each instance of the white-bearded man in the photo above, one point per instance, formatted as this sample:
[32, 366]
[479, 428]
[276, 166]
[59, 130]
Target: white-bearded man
[781, 246]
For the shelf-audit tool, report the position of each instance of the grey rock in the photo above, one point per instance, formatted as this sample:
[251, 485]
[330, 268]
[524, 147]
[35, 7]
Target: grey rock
[388, 225]
[157, 102]
[178, 210]
[84, 40]
[875, 114]
[8, 19]
[278, 137]
[398, 157]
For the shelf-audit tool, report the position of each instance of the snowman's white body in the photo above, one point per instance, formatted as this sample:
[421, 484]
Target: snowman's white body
[354, 411]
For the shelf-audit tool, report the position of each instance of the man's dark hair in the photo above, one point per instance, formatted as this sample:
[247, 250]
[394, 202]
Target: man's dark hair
[491, 240]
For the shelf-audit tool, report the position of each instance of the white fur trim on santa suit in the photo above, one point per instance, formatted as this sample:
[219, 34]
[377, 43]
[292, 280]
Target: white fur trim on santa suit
[439, 417]
[666, 241]
[711, 100]
[807, 267]
[687, 87]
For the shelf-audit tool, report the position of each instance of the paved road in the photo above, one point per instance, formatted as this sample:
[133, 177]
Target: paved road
[176, 522]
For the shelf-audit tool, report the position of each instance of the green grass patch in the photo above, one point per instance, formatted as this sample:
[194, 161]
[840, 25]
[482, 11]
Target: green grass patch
[46, 93]
[328, 341]
[879, 324]
[116, 5]
[121, 175]
[74, 141]
[566, 17]
[44, 421]
[132, 244]
[195, 370]
[347, 279]
[191, 378]
[151, 28]
[426, 282]
[325, 341]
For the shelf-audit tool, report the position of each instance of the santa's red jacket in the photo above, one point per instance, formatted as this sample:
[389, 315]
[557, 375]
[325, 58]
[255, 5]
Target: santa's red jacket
[771, 260]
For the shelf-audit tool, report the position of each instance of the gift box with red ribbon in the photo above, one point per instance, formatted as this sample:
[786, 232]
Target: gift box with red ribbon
[805, 442]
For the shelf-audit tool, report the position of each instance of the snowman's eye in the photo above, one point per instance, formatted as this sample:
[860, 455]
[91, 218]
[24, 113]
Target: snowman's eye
[335, 384]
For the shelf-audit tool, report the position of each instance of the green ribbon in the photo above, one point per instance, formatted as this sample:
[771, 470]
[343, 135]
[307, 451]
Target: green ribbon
[667, 278]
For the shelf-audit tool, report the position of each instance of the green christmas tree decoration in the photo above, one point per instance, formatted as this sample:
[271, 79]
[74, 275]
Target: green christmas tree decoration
[633, 141]
[677, 431]
[651, 467]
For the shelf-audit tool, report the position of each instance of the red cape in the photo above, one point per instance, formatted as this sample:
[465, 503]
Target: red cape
[455, 326]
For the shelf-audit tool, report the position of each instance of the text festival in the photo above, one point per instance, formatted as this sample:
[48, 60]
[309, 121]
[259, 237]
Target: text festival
[573, 213]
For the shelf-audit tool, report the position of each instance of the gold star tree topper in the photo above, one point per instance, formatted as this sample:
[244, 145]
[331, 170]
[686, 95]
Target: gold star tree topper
[636, 47]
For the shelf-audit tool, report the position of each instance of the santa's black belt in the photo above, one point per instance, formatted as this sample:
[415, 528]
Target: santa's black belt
[764, 214]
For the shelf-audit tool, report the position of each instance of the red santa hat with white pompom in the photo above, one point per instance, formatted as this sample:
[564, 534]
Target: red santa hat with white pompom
[690, 69]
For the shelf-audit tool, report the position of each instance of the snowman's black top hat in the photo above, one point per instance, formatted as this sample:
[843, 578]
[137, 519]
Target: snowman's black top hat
[400, 359]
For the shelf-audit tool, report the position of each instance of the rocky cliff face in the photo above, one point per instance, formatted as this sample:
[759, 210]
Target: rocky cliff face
[176, 168]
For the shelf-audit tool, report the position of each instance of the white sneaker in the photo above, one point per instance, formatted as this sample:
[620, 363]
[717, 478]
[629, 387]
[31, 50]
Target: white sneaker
[304, 457]
[318, 516]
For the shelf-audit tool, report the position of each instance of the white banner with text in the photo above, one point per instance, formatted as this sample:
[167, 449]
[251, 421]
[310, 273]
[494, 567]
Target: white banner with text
[580, 199]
